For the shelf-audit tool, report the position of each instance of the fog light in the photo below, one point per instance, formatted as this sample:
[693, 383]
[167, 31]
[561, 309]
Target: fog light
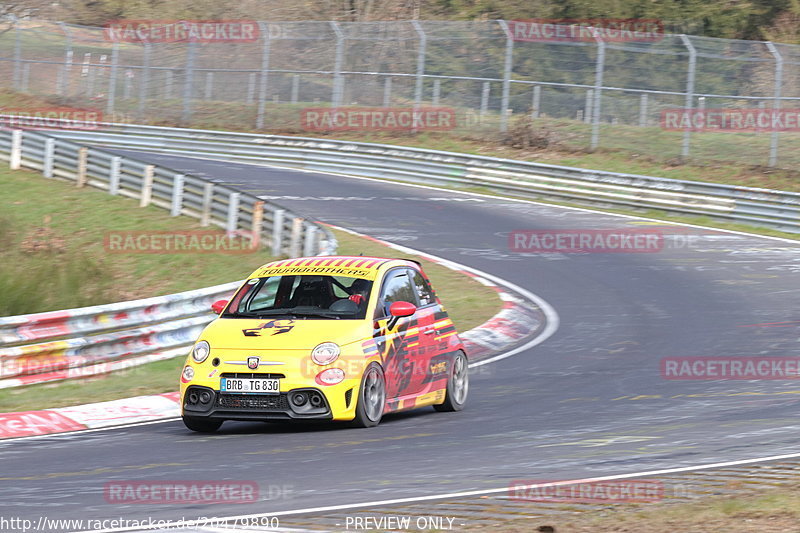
[299, 399]
[330, 376]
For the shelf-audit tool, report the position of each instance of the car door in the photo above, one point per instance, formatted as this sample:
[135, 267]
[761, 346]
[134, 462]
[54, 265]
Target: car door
[398, 345]
[428, 357]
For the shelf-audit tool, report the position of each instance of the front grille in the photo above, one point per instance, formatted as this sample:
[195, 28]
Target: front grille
[263, 402]
[250, 375]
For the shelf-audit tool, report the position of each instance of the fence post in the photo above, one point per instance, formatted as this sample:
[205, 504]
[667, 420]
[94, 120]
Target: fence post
[776, 103]
[205, 210]
[338, 85]
[297, 234]
[177, 195]
[643, 110]
[83, 163]
[598, 88]
[147, 186]
[437, 90]
[277, 232]
[15, 158]
[145, 79]
[484, 99]
[63, 80]
[423, 45]
[689, 103]
[507, 71]
[587, 114]
[188, 82]
[112, 78]
[113, 177]
[49, 156]
[251, 88]
[309, 240]
[255, 226]
[233, 214]
[295, 88]
[262, 87]
[536, 102]
[387, 91]
[17, 55]
[209, 89]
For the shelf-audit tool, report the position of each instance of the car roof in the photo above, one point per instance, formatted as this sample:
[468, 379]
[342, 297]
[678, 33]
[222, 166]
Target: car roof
[337, 265]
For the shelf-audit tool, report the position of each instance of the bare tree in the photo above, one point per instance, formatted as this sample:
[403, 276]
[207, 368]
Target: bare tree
[11, 11]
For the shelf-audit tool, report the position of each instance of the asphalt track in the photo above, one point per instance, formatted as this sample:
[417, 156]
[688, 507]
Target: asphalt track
[590, 401]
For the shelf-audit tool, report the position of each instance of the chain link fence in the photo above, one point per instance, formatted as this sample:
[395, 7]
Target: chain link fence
[585, 94]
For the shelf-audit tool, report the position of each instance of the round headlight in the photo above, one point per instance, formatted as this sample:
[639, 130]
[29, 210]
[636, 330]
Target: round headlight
[330, 376]
[188, 374]
[200, 351]
[325, 353]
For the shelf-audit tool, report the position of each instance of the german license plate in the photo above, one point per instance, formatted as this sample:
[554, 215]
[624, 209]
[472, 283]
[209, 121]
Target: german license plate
[258, 385]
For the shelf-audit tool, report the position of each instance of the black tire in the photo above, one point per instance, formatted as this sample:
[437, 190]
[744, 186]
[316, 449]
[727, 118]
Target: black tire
[371, 398]
[457, 385]
[202, 425]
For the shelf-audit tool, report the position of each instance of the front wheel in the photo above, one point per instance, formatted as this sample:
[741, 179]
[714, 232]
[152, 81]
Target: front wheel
[202, 425]
[457, 385]
[371, 398]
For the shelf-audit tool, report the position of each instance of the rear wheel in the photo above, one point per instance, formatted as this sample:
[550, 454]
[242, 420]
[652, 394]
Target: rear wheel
[371, 398]
[202, 425]
[457, 385]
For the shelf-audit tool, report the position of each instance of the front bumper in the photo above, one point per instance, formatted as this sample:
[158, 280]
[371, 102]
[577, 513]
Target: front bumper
[319, 404]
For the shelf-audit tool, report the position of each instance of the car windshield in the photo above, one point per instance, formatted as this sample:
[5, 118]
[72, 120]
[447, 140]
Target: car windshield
[306, 296]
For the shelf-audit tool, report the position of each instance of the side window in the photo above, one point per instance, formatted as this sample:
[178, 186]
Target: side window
[396, 288]
[424, 290]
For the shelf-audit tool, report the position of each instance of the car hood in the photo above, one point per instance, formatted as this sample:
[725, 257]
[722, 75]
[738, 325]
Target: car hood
[283, 334]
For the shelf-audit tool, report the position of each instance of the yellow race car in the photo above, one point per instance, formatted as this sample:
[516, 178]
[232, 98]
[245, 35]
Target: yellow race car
[325, 338]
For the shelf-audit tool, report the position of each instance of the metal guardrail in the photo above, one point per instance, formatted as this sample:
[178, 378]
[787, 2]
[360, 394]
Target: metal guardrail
[765, 207]
[59, 345]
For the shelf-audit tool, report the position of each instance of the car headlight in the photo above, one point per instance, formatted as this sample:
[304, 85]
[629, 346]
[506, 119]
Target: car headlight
[325, 353]
[200, 351]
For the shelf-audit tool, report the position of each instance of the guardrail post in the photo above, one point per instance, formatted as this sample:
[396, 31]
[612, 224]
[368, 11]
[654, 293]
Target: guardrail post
[15, 158]
[177, 195]
[233, 213]
[262, 88]
[83, 160]
[277, 232]
[255, 226]
[776, 102]
[147, 186]
[113, 175]
[689, 103]
[310, 240]
[205, 211]
[297, 235]
[507, 70]
[49, 155]
[598, 88]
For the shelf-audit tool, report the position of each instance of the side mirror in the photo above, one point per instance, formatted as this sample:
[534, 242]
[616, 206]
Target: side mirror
[399, 310]
[218, 306]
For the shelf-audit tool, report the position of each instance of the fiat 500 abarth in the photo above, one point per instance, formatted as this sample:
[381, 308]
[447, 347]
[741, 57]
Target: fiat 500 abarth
[325, 338]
